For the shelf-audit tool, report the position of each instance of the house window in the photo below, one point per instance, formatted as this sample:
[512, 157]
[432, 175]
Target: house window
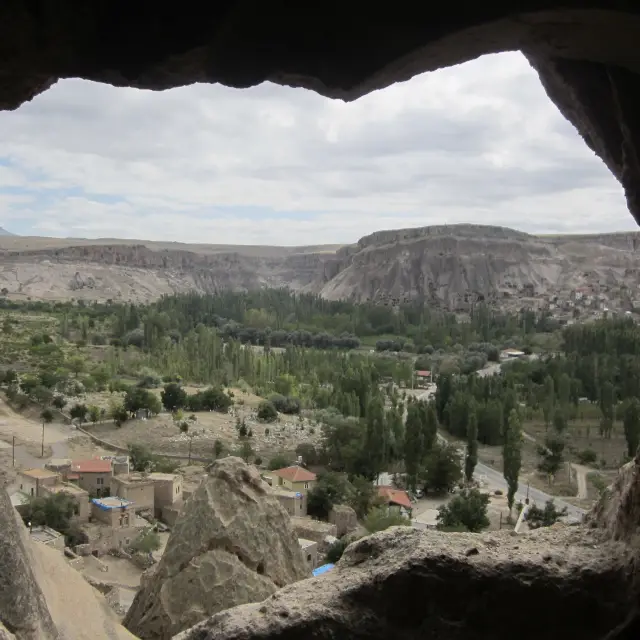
[99, 480]
[31, 490]
[306, 485]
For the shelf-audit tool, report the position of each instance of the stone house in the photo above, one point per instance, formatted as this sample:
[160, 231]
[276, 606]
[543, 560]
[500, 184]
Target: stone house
[114, 512]
[32, 481]
[137, 488]
[93, 475]
[294, 478]
[167, 488]
[294, 502]
[309, 551]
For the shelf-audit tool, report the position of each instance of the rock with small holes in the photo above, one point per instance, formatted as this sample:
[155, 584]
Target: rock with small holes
[233, 544]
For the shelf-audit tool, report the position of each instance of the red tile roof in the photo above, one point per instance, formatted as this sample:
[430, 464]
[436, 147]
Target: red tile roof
[295, 474]
[423, 374]
[394, 496]
[94, 465]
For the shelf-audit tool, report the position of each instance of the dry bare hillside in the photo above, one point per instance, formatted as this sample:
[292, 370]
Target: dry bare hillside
[449, 265]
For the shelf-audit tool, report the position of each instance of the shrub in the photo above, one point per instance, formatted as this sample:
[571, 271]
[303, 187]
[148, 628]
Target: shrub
[587, 456]
[285, 404]
[267, 412]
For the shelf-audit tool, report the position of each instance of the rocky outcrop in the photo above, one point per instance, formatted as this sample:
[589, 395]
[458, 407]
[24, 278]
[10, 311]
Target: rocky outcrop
[403, 583]
[233, 544]
[618, 510]
[41, 596]
[23, 610]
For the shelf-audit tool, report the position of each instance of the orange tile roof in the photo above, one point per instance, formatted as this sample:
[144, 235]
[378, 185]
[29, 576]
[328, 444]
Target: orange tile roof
[295, 474]
[39, 474]
[95, 465]
[395, 496]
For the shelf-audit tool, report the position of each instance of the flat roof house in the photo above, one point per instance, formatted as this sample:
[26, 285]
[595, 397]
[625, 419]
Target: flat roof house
[114, 512]
[32, 480]
[80, 497]
[93, 475]
[135, 487]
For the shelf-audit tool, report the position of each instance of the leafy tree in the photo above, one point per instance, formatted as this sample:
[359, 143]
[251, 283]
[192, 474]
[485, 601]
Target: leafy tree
[551, 456]
[467, 511]
[246, 451]
[46, 416]
[94, 413]
[549, 401]
[330, 489]
[631, 422]
[376, 438]
[381, 518]
[361, 495]
[55, 511]
[79, 412]
[285, 404]
[28, 384]
[607, 408]
[267, 412]
[147, 541]
[118, 413]
[218, 448]
[442, 469]
[173, 397]
[471, 458]
[42, 395]
[59, 402]
[413, 444]
[77, 365]
[429, 421]
[537, 517]
[560, 420]
[279, 461]
[336, 550]
[137, 399]
[140, 457]
[512, 455]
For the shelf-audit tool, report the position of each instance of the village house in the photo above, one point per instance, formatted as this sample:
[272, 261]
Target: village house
[32, 481]
[114, 512]
[294, 502]
[137, 488]
[309, 551]
[167, 491]
[294, 478]
[93, 475]
[423, 378]
[396, 500]
[47, 536]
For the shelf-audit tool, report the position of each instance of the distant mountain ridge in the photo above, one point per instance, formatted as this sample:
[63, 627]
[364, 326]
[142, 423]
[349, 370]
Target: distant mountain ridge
[4, 232]
[445, 265]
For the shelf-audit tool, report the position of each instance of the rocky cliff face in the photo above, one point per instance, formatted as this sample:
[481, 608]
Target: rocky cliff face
[449, 266]
[41, 596]
[403, 583]
[233, 544]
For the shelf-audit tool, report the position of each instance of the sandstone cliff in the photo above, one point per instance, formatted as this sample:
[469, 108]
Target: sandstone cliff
[449, 265]
[41, 596]
[233, 544]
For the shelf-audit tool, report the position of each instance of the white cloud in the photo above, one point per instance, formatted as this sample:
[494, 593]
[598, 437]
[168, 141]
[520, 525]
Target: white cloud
[477, 143]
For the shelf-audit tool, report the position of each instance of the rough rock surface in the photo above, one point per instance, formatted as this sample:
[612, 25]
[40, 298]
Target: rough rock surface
[618, 509]
[584, 50]
[41, 596]
[408, 584]
[232, 544]
[23, 610]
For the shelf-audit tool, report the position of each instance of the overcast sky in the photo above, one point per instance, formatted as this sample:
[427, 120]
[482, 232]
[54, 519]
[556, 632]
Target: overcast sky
[477, 143]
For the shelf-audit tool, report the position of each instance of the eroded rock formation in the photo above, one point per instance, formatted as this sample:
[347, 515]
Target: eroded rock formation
[41, 596]
[403, 583]
[233, 544]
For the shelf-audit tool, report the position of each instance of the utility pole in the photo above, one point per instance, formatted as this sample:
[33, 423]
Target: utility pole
[13, 452]
[42, 453]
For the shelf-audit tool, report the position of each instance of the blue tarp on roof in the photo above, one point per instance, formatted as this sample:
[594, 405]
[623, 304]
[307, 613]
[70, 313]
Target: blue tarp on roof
[106, 504]
[323, 569]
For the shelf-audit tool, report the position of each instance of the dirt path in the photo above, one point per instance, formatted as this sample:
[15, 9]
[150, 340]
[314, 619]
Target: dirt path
[581, 480]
